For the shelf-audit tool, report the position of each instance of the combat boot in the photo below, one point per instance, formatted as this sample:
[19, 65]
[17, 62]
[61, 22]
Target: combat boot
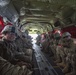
[71, 73]
[58, 61]
[66, 68]
[62, 64]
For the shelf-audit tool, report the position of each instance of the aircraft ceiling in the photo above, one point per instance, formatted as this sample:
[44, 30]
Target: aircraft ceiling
[40, 12]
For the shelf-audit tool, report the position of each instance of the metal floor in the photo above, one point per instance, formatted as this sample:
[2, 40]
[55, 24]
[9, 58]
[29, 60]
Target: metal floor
[43, 65]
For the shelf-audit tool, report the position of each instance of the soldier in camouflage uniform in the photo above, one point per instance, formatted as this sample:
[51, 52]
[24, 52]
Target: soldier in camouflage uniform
[8, 48]
[57, 37]
[52, 44]
[45, 44]
[38, 39]
[22, 46]
[71, 58]
[6, 68]
[67, 51]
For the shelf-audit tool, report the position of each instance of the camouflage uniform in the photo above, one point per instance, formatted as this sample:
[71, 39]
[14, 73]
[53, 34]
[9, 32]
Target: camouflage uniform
[52, 45]
[8, 48]
[67, 52]
[38, 39]
[22, 46]
[61, 52]
[71, 58]
[57, 37]
[10, 52]
[6, 68]
[27, 42]
[46, 44]
[58, 48]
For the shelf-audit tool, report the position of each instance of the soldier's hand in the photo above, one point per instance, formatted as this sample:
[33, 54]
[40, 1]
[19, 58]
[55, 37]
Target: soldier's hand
[24, 63]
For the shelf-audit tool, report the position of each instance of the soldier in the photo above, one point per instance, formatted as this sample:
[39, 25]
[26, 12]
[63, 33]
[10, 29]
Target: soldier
[57, 37]
[68, 49]
[8, 49]
[42, 41]
[26, 41]
[21, 43]
[6, 68]
[38, 39]
[73, 64]
[63, 49]
[52, 45]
